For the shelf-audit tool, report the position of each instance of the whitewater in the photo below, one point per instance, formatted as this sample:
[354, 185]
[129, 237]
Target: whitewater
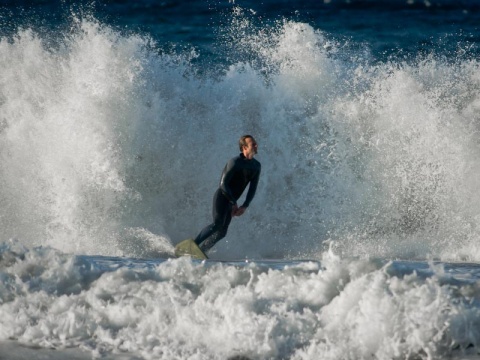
[361, 241]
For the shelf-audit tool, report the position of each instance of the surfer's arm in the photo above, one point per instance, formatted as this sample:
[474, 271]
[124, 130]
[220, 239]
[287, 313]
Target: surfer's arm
[252, 188]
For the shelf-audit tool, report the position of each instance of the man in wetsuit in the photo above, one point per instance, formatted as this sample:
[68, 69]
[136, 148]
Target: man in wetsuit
[237, 174]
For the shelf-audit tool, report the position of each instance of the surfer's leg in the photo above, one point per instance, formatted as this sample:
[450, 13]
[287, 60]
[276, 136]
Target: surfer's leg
[206, 232]
[220, 231]
[222, 215]
[214, 238]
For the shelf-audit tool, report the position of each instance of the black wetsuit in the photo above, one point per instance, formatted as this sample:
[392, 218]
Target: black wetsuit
[237, 174]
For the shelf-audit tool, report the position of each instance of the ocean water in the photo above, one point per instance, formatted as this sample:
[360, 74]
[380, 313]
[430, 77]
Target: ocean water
[117, 117]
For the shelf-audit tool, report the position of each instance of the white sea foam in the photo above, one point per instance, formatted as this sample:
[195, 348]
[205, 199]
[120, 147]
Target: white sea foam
[193, 310]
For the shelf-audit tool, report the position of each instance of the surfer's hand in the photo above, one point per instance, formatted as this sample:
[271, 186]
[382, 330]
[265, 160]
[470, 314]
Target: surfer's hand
[239, 211]
[234, 210]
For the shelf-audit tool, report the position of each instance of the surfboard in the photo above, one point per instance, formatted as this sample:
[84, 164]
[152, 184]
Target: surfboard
[189, 248]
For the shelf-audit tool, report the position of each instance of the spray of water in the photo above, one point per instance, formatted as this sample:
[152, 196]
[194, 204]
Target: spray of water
[109, 146]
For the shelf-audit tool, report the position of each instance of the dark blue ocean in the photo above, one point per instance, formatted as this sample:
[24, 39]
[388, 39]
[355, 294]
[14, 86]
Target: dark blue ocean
[117, 118]
[402, 29]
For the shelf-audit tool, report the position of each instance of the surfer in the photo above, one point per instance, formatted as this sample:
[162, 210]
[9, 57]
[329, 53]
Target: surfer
[239, 172]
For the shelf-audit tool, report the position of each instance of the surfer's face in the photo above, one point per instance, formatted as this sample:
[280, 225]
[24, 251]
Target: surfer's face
[250, 148]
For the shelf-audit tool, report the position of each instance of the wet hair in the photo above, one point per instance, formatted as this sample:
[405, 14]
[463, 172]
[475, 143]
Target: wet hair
[242, 142]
